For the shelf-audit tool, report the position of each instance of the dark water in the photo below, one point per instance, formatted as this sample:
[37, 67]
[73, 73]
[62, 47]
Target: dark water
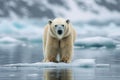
[12, 54]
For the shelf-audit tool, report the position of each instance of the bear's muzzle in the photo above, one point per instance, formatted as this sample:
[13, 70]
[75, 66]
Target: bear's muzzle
[59, 32]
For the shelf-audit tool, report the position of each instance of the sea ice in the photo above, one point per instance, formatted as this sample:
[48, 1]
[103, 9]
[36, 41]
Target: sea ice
[85, 63]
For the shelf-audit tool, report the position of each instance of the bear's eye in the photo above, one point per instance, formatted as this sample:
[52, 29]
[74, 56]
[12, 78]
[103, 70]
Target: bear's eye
[62, 25]
[55, 25]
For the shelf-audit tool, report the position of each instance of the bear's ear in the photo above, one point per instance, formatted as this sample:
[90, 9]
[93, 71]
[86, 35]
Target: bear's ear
[68, 21]
[50, 22]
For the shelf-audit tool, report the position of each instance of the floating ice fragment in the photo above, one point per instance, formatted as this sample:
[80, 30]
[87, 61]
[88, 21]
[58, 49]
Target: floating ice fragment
[102, 65]
[32, 75]
[8, 40]
[76, 63]
[96, 42]
[80, 63]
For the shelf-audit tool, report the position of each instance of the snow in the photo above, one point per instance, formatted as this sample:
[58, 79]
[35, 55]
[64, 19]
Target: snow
[83, 63]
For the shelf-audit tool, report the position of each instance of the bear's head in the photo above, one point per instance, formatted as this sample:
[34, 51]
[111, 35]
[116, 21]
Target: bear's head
[59, 28]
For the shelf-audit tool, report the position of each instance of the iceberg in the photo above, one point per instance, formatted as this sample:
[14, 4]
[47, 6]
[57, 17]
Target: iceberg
[8, 40]
[96, 42]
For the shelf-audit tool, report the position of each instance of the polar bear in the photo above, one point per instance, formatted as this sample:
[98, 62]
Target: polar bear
[58, 39]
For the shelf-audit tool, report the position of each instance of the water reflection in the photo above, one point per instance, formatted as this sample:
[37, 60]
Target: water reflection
[58, 74]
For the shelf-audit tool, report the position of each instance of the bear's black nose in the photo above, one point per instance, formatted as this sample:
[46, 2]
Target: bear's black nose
[59, 32]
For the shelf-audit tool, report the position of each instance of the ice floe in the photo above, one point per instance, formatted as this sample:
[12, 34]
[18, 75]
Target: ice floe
[79, 63]
[96, 42]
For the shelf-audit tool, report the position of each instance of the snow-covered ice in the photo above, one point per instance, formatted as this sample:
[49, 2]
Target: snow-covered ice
[95, 42]
[9, 40]
[85, 63]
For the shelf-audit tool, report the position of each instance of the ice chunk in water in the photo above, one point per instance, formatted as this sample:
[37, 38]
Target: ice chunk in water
[84, 63]
[96, 42]
[102, 65]
[9, 40]
[76, 63]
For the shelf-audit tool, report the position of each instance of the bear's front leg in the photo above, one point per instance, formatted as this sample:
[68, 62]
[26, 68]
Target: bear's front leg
[51, 50]
[66, 54]
[50, 54]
